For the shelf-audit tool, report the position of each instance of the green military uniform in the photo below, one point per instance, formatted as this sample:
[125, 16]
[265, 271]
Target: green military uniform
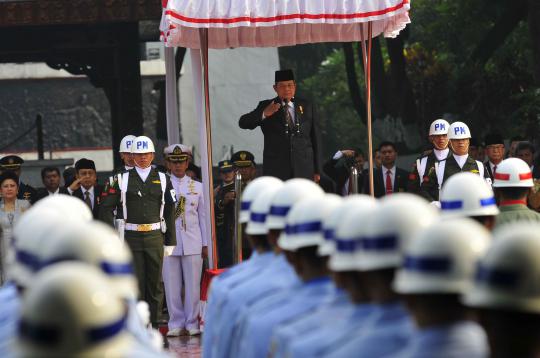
[413, 184]
[515, 212]
[430, 185]
[143, 202]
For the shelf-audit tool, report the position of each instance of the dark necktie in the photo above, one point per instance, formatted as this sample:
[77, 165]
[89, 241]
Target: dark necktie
[87, 199]
[389, 189]
[288, 117]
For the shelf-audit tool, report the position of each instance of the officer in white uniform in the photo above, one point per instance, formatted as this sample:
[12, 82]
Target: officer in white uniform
[184, 265]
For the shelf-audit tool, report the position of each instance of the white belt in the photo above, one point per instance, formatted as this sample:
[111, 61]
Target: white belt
[142, 227]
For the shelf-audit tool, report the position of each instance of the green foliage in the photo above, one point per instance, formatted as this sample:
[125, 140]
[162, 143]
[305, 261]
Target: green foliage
[339, 124]
[456, 64]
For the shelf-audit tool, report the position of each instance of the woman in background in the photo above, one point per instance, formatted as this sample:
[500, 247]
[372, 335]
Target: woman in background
[11, 210]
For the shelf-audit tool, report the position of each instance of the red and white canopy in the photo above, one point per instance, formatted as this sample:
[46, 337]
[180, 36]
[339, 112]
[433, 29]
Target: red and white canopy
[273, 23]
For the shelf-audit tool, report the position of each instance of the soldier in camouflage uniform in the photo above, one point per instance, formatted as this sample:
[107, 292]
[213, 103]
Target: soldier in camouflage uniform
[456, 162]
[147, 198]
[438, 136]
[224, 213]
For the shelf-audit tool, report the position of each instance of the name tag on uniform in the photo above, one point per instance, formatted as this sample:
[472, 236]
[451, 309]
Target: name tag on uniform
[156, 181]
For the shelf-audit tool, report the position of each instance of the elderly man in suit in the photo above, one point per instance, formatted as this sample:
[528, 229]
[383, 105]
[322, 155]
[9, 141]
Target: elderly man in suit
[289, 125]
[388, 178]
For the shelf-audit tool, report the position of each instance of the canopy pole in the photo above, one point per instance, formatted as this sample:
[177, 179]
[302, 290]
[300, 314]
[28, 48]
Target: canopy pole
[366, 60]
[171, 97]
[206, 160]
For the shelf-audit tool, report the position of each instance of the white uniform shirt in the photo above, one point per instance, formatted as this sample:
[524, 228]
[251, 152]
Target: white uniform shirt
[190, 235]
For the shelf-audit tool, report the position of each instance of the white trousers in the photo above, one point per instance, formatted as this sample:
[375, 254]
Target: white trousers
[187, 270]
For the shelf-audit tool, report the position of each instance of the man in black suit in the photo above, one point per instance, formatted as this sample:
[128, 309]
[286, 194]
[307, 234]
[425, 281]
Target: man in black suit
[495, 153]
[50, 176]
[389, 178]
[289, 125]
[339, 169]
[85, 186]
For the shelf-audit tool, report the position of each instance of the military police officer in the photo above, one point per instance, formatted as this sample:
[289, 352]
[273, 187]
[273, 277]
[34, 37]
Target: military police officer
[438, 136]
[13, 163]
[459, 161]
[147, 200]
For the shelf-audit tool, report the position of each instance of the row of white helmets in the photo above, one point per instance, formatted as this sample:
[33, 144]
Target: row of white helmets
[467, 194]
[456, 130]
[434, 253]
[76, 275]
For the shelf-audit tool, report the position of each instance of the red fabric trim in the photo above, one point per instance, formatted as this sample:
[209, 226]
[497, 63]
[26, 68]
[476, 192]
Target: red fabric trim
[525, 176]
[513, 202]
[286, 17]
[501, 176]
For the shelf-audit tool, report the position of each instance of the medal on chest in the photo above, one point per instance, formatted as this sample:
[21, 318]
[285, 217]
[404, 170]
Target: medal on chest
[180, 211]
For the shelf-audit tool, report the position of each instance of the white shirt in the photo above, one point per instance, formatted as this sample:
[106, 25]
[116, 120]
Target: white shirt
[491, 165]
[128, 167]
[392, 175]
[441, 154]
[55, 192]
[461, 159]
[190, 234]
[143, 173]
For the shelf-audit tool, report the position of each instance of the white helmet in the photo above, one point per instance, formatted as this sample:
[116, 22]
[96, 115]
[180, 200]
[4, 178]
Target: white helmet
[254, 188]
[96, 244]
[459, 130]
[332, 222]
[304, 222]
[507, 278]
[71, 208]
[142, 144]
[513, 172]
[30, 235]
[293, 191]
[467, 194]
[399, 217]
[439, 127]
[350, 230]
[258, 213]
[70, 312]
[125, 144]
[442, 258]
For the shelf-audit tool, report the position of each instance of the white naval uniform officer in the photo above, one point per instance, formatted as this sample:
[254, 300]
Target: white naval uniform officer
[184, 265]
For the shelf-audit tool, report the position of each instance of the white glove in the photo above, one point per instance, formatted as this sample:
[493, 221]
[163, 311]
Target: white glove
[436, 204]
[143, 311]
[168, 250]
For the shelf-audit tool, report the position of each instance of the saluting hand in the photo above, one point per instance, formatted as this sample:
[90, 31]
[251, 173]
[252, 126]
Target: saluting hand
[75, 185]
[271, 109]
